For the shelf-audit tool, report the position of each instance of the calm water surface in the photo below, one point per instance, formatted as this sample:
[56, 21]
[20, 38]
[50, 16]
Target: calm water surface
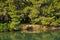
[50, 35]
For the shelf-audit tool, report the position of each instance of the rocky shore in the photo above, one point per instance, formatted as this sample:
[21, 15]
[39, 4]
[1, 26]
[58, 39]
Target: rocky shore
[37, 28]
[33, 28]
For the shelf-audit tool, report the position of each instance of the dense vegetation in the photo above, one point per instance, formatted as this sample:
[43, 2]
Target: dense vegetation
[13, 13]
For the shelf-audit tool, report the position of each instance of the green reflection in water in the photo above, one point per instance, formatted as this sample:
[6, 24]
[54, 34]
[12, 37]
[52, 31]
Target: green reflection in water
[51, 35]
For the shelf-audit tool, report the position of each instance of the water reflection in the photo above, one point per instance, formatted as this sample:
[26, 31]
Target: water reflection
[50, 35]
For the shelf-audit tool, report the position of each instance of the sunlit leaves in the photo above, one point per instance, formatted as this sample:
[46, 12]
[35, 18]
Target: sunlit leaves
[26, 9]
[43, 12]
[56, 22]
[33, 13]
[46, 20]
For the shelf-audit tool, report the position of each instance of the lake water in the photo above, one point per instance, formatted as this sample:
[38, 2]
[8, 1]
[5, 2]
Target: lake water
[50, 35]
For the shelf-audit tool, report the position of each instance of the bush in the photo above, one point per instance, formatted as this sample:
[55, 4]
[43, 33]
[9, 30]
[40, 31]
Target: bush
[17, 12]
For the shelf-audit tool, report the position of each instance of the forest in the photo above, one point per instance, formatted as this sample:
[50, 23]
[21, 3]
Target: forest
[14, 13]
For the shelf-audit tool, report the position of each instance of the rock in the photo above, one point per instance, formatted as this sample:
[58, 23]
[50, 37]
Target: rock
[30, 28]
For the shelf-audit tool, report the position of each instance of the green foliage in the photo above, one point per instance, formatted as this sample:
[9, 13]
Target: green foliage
[42, 12]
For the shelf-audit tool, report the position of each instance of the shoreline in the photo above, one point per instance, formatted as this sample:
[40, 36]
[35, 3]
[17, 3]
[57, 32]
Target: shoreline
[42, 29]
